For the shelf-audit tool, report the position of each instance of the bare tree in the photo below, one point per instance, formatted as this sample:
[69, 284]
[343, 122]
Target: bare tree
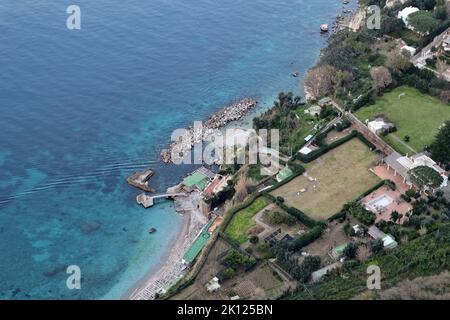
[381, 78]
[363, 253]
[397, 61]
[320, 80]
[242, 188]
[441, 65]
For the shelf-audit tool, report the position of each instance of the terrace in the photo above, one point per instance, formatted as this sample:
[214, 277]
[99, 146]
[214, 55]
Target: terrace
[384, 201]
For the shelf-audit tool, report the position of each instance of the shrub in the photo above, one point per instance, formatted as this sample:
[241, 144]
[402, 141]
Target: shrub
[350, 250]
[254, 239]
[307, 238]
[360, 213]
[228, 273]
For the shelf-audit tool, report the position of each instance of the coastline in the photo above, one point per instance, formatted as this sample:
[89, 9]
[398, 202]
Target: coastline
[166, 263]
[169, 265]
[170, 268]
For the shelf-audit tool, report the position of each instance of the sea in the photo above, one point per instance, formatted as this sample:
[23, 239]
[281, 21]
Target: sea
[80, 110]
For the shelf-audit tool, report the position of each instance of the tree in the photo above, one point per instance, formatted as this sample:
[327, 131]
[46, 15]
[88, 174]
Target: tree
[254, 239]
[320, 80]
[444, 96]
[303, 272]
[423, 21]
[363, 253]
[242, 188]
[440, 13]
[426, 177]
[440, 148]
[381, 78]
[397, 61]
[395, 216]
[390, 24]
[376, 246]
[279, 200]
[350, 250]
[228, 273]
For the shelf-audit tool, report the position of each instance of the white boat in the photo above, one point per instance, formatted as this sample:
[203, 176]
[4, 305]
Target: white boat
[324, 27]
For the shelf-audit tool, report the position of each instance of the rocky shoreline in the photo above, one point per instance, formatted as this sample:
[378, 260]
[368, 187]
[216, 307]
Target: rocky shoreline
[218, 120]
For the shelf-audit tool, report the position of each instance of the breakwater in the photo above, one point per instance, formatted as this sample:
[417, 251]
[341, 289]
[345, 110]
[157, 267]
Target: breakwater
[194, 135]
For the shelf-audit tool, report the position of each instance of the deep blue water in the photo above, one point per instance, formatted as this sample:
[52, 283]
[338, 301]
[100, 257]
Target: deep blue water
[81, 110]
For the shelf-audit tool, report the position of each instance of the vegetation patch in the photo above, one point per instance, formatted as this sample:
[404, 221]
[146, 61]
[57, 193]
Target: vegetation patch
[425, 256]
[416, 116]
[242, 221]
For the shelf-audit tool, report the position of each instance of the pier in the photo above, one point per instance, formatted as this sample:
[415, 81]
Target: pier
[148, 201]
[140, 180]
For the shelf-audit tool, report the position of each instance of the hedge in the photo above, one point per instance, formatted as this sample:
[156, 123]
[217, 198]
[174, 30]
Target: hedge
[319, 152]
[363, 139]
[238, 208]
[337, 216]
[343, 214]
[308, 238]
[301, 216]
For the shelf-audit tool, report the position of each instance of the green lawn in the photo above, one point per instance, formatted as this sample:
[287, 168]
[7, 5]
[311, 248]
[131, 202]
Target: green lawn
[242, 221]
[415, 114]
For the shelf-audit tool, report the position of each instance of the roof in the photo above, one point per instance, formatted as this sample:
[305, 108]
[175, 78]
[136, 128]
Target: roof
[198, 244]
[325, 101]
[284, 174]
[376, 233]
[410, 49]
[198, 178]
[389, 242]
[313, 110]
[403, 14]
[318, 275]
[305, 150]
[392, 161]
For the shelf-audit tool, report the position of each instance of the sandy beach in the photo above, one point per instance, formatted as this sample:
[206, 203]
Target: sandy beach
[171, 268]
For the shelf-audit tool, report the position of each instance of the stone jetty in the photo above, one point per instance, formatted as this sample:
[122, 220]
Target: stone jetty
[219, 119]
[140, 180]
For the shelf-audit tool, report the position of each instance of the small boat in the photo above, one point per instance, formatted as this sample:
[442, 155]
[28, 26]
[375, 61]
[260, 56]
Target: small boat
[324, 27]
[295, 74]
[152, 230]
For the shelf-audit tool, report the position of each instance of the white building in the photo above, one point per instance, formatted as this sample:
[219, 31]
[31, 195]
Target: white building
[314, 110]
[379, 125]
[213, 285]
[403, 164]
[403, 14]
[409, 49]
[446, 43]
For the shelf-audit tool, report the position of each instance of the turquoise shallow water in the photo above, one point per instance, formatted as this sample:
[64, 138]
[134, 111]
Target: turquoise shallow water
[81, 110]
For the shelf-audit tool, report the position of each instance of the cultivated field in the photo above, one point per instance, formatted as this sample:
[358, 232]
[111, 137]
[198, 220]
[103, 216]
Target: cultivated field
[334, 179]
[414, 114]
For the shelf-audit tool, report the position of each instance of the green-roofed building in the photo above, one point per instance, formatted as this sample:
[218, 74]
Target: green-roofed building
[198, 244]
[284, 174]
[196, 180]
